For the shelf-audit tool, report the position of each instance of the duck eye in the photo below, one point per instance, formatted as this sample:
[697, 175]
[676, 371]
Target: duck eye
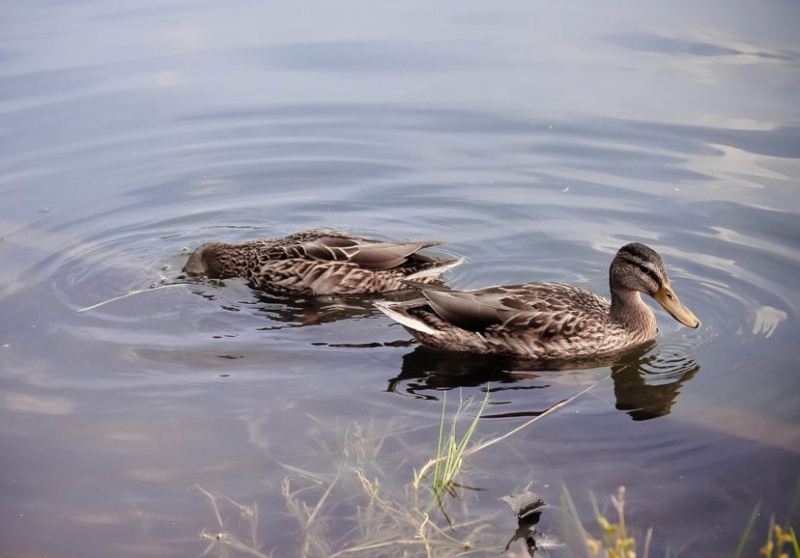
[643, 269]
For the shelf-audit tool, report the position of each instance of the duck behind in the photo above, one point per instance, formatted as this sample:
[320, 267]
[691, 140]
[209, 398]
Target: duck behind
[320, 262]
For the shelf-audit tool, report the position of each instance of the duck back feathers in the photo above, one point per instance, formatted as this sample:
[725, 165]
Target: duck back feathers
[320, 262]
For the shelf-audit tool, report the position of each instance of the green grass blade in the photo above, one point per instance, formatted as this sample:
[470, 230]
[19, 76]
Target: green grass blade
[747, 530]
[462, 445]
[449, 449]
[572, 512]
[436, 479]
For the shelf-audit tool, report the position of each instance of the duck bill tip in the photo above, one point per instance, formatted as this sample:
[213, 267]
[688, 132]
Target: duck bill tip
[667, 298]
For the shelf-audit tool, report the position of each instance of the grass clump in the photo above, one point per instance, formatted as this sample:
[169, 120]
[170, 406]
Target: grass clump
[449, 450]
[615, 541]
[387, 519]
[352, 513]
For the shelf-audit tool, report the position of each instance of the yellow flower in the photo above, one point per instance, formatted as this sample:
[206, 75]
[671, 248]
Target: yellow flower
[594, 546]
[780, 536]
[607, 527]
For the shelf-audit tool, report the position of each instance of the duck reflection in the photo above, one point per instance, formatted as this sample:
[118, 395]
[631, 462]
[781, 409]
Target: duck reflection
[528, 508]
[287, 311]
[646, 382]
[648, 388]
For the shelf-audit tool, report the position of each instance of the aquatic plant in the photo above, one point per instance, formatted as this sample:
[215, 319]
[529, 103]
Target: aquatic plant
[383, 520]
[224, 539]
[615, 541]
[449, 450]
[777, 536]
[355, 506]
[387, 519]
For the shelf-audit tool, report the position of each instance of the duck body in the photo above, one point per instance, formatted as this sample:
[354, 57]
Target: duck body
[547, 321]
[320, 262]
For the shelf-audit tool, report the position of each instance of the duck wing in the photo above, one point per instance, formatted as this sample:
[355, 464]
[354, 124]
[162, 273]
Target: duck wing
[366, 253]
[553, 308]
[470, 310]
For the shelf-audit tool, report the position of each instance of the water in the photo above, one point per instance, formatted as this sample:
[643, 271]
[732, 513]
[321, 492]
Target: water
[535, 139]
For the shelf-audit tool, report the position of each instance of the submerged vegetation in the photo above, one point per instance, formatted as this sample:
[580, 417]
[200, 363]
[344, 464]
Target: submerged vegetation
[357, 508]
[385, 520]
[224, 539]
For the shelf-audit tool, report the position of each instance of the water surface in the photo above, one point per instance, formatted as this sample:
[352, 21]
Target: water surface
[535, 139]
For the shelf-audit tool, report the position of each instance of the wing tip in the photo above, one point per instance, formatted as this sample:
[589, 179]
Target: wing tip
[436, 270]
[391, 310]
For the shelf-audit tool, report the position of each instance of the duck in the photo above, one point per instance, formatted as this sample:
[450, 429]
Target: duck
[547, 321]
[320, 262]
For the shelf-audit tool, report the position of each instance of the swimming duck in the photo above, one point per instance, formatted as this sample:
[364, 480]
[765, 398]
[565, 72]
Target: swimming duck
[547, 321]
[320, 262]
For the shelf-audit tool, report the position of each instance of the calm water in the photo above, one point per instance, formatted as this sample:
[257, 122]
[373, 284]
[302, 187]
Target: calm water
[535, 139]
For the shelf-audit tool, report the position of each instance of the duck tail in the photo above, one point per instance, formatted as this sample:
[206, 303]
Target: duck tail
[440, 267]
[398, 311]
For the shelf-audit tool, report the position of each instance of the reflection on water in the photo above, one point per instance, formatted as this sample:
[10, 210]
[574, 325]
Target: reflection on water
[649, 388]
[288, 311]
[528, 508]
[676, 46]
[647, 380]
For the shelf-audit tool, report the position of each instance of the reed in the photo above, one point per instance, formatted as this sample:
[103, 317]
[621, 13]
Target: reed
[131, 293]
[449, 449]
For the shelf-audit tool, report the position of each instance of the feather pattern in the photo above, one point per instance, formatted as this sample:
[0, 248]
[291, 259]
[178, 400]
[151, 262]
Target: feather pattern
[547, 321]
[320, 262]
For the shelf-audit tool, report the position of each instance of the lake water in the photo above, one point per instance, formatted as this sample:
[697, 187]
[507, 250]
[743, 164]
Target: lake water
[536, 138]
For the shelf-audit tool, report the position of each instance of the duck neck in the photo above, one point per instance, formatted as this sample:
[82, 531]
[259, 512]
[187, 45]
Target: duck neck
[628, 310]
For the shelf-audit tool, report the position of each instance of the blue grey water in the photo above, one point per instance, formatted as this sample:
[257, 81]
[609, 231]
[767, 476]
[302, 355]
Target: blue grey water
[535, 137]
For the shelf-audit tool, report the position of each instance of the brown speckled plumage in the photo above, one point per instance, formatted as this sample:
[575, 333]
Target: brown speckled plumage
[319, 262]
[547, 321]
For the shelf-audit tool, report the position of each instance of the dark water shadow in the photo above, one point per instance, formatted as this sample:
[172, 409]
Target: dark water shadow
[647, 380]
[648, 389]
[292, 311]
[288, 311]
[528, 536]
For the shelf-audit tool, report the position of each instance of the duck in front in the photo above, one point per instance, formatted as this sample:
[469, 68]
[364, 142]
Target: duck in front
[547, 321]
